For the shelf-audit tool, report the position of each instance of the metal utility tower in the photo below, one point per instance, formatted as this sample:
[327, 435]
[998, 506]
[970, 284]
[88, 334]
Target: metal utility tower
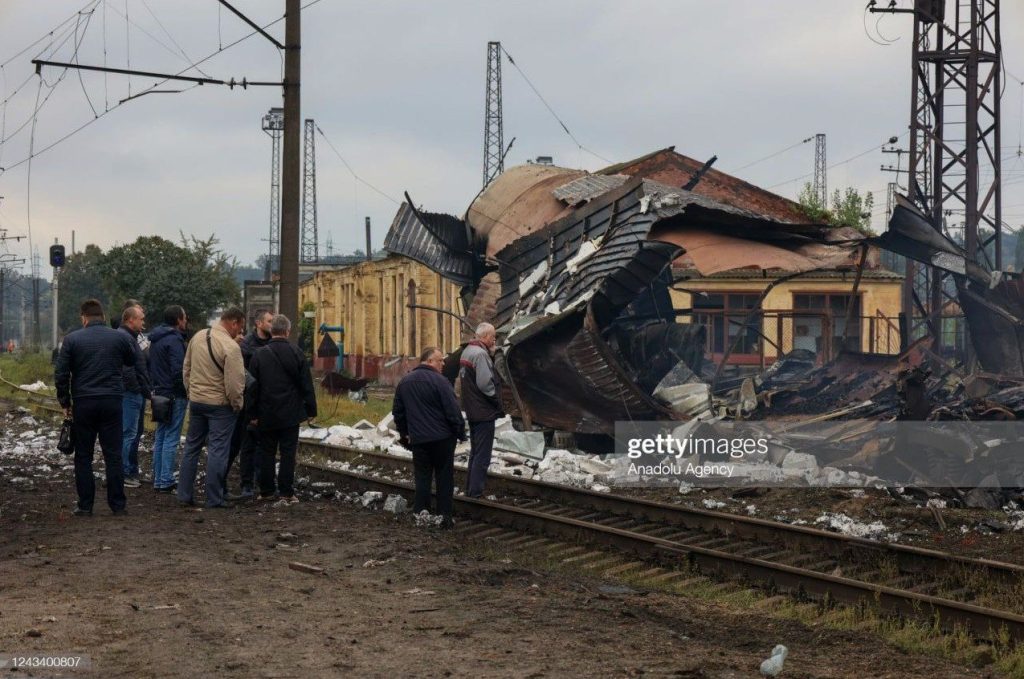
[310, 253]
[494, 139]
[820, 170]
[273, 125]
[954, 134]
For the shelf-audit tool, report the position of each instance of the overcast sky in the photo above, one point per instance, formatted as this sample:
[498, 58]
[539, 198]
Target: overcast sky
[398, 88]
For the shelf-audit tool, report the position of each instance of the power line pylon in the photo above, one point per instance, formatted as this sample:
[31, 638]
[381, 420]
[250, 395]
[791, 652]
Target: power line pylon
[955, 136]
[310, 253]
[820, 170]
[273, 125]
[494, 139]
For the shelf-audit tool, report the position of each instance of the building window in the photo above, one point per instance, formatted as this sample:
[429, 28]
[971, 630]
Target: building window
[724, 314]
[821, 317]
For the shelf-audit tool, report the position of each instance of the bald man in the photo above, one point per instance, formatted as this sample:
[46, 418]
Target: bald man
[481, 399]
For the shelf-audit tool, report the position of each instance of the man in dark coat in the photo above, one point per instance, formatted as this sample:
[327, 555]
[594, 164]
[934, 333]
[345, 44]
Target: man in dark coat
[429, 421]
[245, 439]
[136, 392]
[166, 358]
[279, 400]
[90, 386]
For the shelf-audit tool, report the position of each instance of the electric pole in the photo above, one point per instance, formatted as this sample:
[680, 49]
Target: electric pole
[955, 157]
[310, 249]
[494, 141]
[36, 334]
[273, 125]
[820, 171]
[292, 162]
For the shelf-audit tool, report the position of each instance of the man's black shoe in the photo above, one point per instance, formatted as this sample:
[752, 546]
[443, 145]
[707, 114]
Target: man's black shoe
[186, 503]
[120, 512]
[222, 505]
[81, 512]
[167, 489]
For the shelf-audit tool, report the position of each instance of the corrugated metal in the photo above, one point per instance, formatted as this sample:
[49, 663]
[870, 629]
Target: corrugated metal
[438, 241]
[587, 188]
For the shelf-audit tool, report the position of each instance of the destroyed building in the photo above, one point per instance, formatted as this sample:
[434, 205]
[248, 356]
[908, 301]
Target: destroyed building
[578, 272]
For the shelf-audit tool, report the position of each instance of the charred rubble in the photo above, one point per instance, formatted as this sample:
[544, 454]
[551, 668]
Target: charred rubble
[575, 270]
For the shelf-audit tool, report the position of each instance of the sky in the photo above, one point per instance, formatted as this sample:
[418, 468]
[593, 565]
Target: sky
[397, 86]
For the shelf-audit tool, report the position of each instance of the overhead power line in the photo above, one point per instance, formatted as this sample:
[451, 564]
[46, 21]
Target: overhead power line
[551, 110]
[842, 162]
[351, 170]
[773, 155]
[152, 88]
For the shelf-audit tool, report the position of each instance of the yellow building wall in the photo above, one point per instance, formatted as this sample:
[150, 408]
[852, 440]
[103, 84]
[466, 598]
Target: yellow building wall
[370, 300]
[878, 297]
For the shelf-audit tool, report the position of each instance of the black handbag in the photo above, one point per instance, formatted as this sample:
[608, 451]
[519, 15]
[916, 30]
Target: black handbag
[66, 441]
[162, 406]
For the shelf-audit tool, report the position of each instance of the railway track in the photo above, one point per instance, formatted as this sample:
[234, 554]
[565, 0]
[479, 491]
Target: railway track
[40, 404]
[983, 596]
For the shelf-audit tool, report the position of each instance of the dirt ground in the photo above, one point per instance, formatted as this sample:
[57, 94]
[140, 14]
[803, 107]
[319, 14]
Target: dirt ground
[169, 592]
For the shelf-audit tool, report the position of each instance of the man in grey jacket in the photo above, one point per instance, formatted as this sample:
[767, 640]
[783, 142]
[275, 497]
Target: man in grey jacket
[481, 399]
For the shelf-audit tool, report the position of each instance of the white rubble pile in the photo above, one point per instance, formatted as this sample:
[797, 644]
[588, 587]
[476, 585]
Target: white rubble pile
[35, 387]
[841, 523]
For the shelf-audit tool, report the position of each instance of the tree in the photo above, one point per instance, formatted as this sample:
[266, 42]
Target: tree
[80, 280]
[159, 273]
[1018, 252]
[848, 208]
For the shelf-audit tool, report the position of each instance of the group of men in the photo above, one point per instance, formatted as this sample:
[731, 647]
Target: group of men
[430, 422]
[245, 396]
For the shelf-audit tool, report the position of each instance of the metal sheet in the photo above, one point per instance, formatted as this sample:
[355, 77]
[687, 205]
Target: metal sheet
[587, 188]
[436, 240]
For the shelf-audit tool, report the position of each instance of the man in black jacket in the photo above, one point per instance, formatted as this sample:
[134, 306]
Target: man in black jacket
[136, 392]
[429, 421]
[90, 386]
[279, 400]
[245, 439]
[166, 359]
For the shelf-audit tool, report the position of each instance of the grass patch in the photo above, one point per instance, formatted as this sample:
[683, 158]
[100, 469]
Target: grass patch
[26, 368]
[340, 410]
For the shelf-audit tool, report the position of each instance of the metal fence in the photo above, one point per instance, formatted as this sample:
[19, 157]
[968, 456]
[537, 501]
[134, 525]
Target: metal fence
[772, 334]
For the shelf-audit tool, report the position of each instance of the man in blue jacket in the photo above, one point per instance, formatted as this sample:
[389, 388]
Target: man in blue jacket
[136, 392]
[429, 421]
[166, 358]
[90, 386]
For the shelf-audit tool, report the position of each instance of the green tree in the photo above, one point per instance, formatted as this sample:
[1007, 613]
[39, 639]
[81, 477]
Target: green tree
[1018, 251]
[848, 208]
[157, 272]
[80, 280]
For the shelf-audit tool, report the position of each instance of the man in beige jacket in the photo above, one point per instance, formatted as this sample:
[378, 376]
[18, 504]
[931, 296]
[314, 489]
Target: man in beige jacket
[214, 377]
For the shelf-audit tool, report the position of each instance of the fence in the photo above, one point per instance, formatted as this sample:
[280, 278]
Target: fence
[772, 334]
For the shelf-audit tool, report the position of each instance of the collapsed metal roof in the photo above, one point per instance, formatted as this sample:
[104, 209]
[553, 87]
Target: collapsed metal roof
[583, 266]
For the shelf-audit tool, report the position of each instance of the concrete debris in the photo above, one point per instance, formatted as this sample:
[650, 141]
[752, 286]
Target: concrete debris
[313, 434]
[35, 387]
[713, 504]
[396, 504]
[427, 520]
[387, 424]
[841, 523]
[527, 443]
[372, 497]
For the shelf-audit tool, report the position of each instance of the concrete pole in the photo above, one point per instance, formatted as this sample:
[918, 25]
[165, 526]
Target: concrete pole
[291, 175]
[53, 303]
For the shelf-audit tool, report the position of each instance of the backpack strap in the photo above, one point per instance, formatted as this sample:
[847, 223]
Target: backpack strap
[209, 347]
